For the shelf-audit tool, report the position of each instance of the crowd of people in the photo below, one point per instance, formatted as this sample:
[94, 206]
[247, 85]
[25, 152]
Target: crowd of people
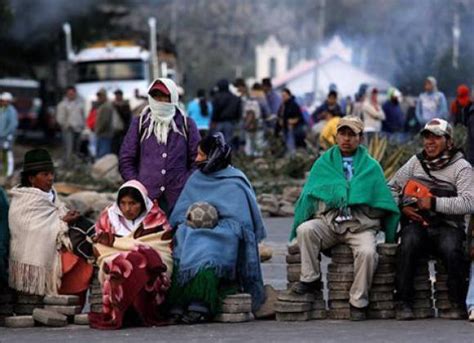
[184, 230]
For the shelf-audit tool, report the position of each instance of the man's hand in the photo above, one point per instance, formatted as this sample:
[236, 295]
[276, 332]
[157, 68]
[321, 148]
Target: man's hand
[412, 214]
[105, 238]
[71, 217]
[424, 203]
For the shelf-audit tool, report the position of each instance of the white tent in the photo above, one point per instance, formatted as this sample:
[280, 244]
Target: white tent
[332, 70]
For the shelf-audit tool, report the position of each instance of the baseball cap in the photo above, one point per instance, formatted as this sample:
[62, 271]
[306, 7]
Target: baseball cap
[159, 86]
[438, 127]
[6, 96]
[352, 122]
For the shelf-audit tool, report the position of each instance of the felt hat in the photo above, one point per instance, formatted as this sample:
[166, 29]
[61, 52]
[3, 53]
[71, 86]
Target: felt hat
[37, 160]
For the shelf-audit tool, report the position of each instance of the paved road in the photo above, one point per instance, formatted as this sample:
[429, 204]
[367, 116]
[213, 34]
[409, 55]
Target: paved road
[434, 330]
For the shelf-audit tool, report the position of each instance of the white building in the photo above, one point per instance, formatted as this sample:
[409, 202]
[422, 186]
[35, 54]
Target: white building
[334, 67]
[271, 59]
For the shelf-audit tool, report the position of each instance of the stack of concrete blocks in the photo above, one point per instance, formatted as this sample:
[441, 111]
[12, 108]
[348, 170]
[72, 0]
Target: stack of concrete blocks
[441, 297]
[235, 308]
[7, 299]
[67, 305]
[291, 307]
[95, 293]
[423, 300]
[339, 281]
[293, 265]
[27, 303]
[381, 295]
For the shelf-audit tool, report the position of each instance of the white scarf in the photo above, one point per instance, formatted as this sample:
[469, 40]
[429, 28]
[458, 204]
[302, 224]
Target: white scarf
[161, 114]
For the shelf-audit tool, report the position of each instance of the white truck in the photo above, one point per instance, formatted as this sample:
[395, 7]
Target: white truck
[115, 65]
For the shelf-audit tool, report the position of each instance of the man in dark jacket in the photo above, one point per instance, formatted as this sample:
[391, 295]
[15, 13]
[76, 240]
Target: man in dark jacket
[394, 116]
[226, 111]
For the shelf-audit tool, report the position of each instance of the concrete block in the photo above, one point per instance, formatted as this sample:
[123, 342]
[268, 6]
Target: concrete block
[384, 259]
[338, 295]
[381, 296]
[382, 288]
[342, 259]
[340, 286]
[293, 268]
[283, 306]
[443, 304]
[96, 308]
[384, 279]
[340, 268]
[81, 319]
[381, 314]
[6, 309]
[319, 314]
[291, 297]
[233, 317]
[441, 295]
[339, 314]
[29, 299]
[387, 249]
[341, 249]
[237, 298]
[422, 295]
[338, 304]
[293, 259]
[293, 249]
[385, 268]
[237, 308]
[340, 277]
[319, 304]
[6, 297]
[382, 305]
[66, 310]
[293, 276]
[95, 299]
[441, 286]
[19, 322]
[423, 303]
[448, 314]
[422, 286]
[293, 317]
[423, 313]
[49, 318]
[61, 300]
[25, 309]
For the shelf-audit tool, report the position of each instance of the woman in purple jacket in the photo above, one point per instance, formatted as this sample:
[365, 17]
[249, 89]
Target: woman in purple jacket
[160, 146]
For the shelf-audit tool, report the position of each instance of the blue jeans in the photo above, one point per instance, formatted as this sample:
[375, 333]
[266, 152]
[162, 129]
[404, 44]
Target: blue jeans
[104, 146]
[470, 293]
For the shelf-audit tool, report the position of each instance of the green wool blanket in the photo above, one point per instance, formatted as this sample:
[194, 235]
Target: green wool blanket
[328, 183]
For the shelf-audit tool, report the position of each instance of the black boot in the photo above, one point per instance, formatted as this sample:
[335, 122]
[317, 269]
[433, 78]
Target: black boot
[358, 313]
[301, 287]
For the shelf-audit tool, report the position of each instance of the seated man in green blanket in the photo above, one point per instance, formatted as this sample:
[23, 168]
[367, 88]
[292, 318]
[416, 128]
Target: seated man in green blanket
[344, 201]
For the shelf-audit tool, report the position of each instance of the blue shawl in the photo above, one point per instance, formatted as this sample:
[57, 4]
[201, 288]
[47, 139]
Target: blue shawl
[231, 248]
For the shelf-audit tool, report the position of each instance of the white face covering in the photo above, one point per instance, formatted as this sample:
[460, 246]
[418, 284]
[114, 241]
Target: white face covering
[162, 114]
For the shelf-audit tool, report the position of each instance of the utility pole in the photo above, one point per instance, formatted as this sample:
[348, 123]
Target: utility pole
[320, 25]
[456, 37]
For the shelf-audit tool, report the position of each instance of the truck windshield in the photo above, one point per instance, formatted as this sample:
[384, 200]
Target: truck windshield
[110, 70]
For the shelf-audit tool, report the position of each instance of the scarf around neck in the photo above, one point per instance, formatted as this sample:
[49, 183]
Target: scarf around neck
[441, 161]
